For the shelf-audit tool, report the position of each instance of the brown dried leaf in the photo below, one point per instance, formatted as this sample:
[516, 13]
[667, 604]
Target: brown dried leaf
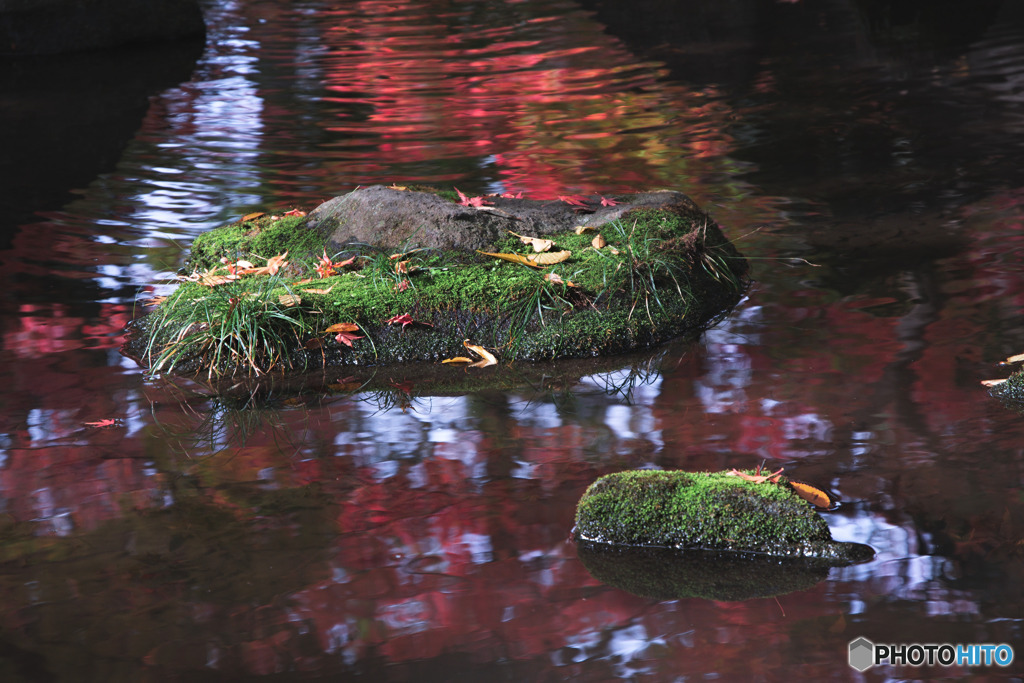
[211, 279]
[289, 300]
[1019, 358]
[318, 291]
[992, 382]
[598, 241]
[458, 359]
[550, 258]
[539, 244]
[580, 229]
[514, 258]
[252, 216]
[275, 263]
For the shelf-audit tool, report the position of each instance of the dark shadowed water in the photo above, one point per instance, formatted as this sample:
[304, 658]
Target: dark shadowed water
[865, 154]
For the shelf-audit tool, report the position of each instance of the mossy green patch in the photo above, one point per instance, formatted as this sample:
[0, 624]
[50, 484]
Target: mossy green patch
[661, 274]
[716, 511]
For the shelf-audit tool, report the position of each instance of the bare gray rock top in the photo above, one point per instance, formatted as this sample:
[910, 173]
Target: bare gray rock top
[393, 218]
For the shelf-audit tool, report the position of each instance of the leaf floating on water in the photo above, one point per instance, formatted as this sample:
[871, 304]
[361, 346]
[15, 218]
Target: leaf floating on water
[992, 382]
[539, 244]
[817, 497]
[598, 242]
[486, 356]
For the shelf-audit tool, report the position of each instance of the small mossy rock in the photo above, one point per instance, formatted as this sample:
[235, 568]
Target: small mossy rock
[393, 219]
[711, 511]
[1011, 392]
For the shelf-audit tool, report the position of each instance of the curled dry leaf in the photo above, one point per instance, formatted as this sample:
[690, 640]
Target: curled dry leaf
[539, 244]
[212, 279]
[992, 382]
[758, 478]
[275, 263]
[457, 359]
[580, 229]
[555, 278]
[598, 241]
[289, 300]
[1019, 358]
[487, 358]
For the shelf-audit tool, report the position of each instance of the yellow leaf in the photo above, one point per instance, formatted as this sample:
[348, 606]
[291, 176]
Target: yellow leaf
[457, 359]
[252, 216]
[487, 356]
[514, 258]
[397, 187]
[341, 327]
[598, 242]
[580, 229]
[537, 243]
[550, 258]
[289, 300]
[992, 382]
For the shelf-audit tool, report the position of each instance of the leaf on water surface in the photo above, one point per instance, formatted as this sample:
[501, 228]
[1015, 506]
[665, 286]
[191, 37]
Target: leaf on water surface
[404, 320]
[823, 500]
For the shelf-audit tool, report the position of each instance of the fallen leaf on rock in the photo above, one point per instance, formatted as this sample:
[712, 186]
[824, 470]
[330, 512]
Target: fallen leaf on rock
[404, 320]
[346, 338]
[539, 244]
[401, 188]
[757, 478]
[555, 278]
[275, 263]
[341, 327]
[487, 358]
[572, 200]
[509, 195]
[295, 212]
[471, 201]
[608, 202]
[314, 343]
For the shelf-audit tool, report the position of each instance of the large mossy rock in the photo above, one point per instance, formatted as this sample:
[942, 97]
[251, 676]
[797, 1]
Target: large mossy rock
[708, 511]
[415, 285]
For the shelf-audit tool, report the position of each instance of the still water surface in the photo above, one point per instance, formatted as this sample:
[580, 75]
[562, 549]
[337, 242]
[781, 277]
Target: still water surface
[867, 162]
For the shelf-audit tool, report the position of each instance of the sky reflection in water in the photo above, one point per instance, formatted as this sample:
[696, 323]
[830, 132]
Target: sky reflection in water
[396, 534]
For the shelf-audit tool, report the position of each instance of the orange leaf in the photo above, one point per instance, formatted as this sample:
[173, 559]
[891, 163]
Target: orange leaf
[295, 212]
[819, 498]
[458, 359]
[341, 327]
[275, 263]
[252, 216]
[109, 422]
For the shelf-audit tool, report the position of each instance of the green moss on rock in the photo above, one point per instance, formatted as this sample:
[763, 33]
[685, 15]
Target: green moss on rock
[665, 272]
[715, 511]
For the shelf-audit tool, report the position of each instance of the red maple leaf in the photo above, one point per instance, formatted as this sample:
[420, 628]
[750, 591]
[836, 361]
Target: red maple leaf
[608, 202]
[295, 212]
[572, 200]
[346, 338]
[404, 319]
[509, 195]
[471, 201]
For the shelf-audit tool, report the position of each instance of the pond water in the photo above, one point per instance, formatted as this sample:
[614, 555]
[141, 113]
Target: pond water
[865, 155]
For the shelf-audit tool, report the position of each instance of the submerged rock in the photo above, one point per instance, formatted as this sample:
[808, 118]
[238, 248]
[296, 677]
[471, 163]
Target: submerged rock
[383, 276]
[709, 511]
